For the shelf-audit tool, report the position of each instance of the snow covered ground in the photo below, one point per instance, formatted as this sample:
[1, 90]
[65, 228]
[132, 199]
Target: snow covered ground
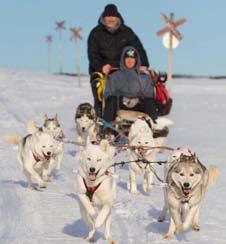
[52, 216]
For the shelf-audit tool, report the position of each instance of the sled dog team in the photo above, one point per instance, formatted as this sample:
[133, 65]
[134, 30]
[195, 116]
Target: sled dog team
[187, 179]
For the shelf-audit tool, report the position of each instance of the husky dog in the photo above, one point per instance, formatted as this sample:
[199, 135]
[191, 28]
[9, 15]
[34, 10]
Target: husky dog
[141, 136]
[52, 127]
[188, 180]
[35, 152]
[96, 187]
[85, 119]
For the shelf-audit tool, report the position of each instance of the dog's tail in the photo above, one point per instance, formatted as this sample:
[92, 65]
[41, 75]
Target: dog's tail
[213, 175]
[32, 127]
[12, 139]
[162, 122]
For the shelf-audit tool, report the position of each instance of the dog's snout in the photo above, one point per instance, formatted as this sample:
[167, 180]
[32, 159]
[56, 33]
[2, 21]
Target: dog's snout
[186, 184]
[83, 128]
[48, 153]
[92, 169]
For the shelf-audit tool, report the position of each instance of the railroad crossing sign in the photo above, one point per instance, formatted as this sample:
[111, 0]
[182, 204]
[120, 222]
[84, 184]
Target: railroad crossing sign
[60, 28]
[76, 34]
[171, 26]
[171, 38]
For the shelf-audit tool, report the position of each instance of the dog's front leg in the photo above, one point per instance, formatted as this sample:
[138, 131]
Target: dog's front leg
[29, 167]
[58, 160]
[87, 204]
[176, 215]
[89, 221]
[148, 180]
[133, 183]
[50, 167]
[172, 228]
[190, 217]
[28, 176]
[162, 217]
[195, 223]
[107, 232]
[101, 217]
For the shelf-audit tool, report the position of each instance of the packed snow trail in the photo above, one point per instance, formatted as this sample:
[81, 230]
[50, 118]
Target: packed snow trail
[51, 216]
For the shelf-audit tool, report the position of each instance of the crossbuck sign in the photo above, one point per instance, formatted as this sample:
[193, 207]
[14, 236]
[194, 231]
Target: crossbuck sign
[171, 38]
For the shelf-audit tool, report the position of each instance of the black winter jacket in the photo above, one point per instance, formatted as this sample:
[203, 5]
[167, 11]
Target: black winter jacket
[105, 47]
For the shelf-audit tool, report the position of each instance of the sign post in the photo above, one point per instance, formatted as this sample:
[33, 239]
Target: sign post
[171, 39]
[60, 27]
[75, 36]
[49, 40]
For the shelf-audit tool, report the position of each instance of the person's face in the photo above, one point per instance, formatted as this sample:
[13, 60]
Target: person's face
[111, 21]
[130, 62]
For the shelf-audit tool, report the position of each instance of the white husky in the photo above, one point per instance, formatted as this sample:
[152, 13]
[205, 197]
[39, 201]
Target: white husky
[35, 152]
[141, 136]
[96, 187]
[188, 180]
[86, 126]
[52, 127]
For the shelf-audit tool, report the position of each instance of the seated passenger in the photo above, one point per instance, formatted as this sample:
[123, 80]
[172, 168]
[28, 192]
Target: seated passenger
[128, 88]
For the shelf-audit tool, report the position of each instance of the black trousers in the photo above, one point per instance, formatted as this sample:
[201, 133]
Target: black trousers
[113, 104]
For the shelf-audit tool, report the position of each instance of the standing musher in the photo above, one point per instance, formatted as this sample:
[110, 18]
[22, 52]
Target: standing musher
[106, 42]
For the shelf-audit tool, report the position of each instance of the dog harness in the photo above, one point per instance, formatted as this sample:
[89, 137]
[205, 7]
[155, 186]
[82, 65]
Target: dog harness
[90, 190]
[37, 159]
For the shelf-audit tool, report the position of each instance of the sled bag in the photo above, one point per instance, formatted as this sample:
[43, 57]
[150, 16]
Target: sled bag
[163, 100]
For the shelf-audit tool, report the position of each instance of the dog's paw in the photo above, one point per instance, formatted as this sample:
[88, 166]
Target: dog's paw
[168, 237]
[112, 242]
[34, 188]
[134, 192]
[161, 219]
[196, 227]
[147, 187]
[58, 168]
[43, 185]
[90, 239]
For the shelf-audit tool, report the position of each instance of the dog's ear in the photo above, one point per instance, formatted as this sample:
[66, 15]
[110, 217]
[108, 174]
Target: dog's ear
[93, 113]
[104, 145]
[46, 117]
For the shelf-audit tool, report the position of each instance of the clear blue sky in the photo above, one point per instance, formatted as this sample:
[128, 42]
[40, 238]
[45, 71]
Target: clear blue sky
[25, 23]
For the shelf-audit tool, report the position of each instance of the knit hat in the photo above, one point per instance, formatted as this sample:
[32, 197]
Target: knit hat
[111, 10]
[131, 53]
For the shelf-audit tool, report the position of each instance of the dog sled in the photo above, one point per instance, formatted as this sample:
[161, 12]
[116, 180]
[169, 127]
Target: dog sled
[126, 117]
